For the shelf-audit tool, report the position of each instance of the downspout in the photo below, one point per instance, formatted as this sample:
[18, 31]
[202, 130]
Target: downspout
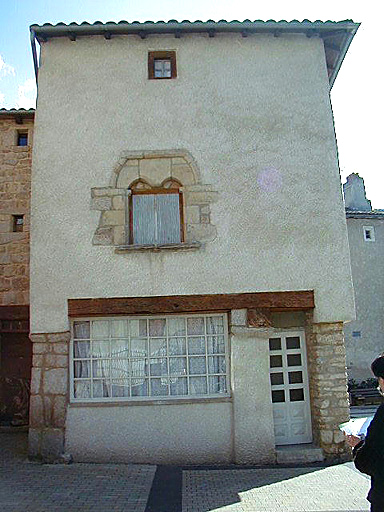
[34, 53]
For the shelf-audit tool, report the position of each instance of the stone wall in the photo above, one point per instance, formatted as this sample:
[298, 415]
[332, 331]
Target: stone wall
[15, 180]
[49, 395]
[328, 386]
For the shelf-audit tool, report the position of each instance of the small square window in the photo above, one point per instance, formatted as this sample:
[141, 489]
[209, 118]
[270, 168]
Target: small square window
[162, 65]
[17, 223]
[22, 138]
[369, 233]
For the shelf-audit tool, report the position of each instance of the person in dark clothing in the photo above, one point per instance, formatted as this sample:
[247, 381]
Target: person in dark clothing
[368, 454]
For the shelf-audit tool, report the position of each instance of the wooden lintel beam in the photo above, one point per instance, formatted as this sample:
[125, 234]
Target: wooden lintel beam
[276, 301]
[14, 312]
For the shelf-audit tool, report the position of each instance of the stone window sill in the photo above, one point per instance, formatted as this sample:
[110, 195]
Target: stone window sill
[164, 401]
[187, 246]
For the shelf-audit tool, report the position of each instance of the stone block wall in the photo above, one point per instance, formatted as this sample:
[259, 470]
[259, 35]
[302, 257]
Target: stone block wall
[49, 395]
[328, 386]
[15, 185]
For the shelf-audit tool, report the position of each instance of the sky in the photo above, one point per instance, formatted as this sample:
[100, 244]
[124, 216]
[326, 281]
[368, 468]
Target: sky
[356, 96]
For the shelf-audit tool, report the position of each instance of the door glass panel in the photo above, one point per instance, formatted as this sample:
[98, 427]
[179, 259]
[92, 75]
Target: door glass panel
[296, 395]
[278, 396]
[276, 361]
[274, 344]
[295, 377]
[81, 330]
[293, 342]
[277, 378]
[198, 385]
[294, 359]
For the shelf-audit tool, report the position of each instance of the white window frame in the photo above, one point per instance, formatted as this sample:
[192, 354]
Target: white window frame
[151, 398]
[371, 230]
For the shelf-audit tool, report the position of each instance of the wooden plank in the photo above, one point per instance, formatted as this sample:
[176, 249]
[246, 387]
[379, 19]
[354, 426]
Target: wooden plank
[14, 312]
[277, 301]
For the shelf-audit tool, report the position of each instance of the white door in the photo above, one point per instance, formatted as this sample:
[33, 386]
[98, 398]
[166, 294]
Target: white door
[289, 388]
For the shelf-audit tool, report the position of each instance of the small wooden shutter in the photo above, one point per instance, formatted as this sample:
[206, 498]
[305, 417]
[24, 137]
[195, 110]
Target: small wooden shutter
[144, 224]
[168, 218]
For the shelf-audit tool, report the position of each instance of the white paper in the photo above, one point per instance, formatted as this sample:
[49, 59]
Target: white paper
[357, 426]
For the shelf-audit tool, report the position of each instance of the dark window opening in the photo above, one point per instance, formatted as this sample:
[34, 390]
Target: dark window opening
[22, 138]
[18, 223]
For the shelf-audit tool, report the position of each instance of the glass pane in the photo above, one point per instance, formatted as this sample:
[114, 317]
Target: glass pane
[295, 377]
[81, 349]
[139, 367]
[178, 386]
[138, 328]
[198, 386]
[101, 368]
[296, 395]
[81, 330]
[157, 327]
[100, 349]
[196, 345]
[176, 326]
[82, 388]
[158, 347]
[176, 346]
[82, 369]
[294, 359]
[277, 378]
[138, 347]
[217, 364]
[158, 367]
[215, 325]
[216, 344]
[278, 396]
[274, 344]
[159, 387]
[293, 342]
[197, 365]
[139, 387]
[195, 325]
[168, 218]
[119, 328]
[178, 366]
[143, 215]
[217, 384]
[120, 348]
[100, 329]
[120, 368]
[101, 388]
[276, 361]
[120, 388]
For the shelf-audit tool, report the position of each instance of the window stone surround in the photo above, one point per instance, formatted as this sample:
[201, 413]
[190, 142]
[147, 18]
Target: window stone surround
[154, 167]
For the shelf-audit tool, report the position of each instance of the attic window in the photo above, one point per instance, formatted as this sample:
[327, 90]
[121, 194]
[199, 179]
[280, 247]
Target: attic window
[22, 138]
[17, 223]
[162, 65]
[369, 233]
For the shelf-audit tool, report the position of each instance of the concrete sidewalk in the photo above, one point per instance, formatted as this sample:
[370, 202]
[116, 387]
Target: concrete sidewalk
[32, 487]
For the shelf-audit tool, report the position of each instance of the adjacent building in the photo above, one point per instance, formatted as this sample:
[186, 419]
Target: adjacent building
[364, 337]
[189, 282]
[16, 134]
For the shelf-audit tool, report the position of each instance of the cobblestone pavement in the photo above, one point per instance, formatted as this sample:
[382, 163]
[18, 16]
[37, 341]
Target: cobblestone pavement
[331, 489]
[32, 487]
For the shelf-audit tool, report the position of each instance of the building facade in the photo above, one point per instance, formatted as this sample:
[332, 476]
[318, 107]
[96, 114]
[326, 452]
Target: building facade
[16, 134]
[364, 337]
[183, 306]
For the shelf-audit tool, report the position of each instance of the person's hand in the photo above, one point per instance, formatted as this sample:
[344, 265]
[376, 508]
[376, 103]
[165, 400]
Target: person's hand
[352, 440]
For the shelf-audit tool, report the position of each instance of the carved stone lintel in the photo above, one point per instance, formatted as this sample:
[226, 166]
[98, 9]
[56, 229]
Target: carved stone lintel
[259, 317]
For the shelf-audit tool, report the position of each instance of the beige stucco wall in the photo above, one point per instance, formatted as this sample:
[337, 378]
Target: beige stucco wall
[368, 281]
[254, 113]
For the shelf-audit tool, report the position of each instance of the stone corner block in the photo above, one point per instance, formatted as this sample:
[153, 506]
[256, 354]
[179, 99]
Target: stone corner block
[56, 381]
